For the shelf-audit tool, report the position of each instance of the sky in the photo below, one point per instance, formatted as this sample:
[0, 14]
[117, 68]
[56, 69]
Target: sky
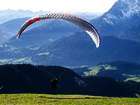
[90, 6]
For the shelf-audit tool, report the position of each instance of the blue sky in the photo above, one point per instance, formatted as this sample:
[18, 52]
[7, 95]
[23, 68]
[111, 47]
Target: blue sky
[90, 6]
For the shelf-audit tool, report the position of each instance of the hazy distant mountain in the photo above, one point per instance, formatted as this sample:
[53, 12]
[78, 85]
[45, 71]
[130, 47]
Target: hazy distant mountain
[7, 15]
[11, 20]
[122, 20]
[44, 33]
[56, 26]
[12, 26]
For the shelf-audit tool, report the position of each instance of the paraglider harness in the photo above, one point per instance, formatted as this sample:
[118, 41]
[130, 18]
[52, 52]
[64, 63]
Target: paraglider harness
[54, 83]
[55, 80]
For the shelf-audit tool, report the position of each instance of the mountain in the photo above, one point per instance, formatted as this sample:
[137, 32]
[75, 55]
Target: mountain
[12, 26]
[60, 43]
[55, 29]
[11, 21]
[122, 20]
[27, 78]
[75, 51]
[4, 36]
[42, 33]
[122, 71]
[79, 50]
[7, 15]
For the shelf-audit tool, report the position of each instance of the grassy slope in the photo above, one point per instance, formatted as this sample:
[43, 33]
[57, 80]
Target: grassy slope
[44, 99]
[119, 70]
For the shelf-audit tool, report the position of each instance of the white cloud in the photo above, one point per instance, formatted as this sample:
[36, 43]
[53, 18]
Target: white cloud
[92, 6]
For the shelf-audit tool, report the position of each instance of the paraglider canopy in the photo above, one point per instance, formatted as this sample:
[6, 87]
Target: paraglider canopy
[86, 26]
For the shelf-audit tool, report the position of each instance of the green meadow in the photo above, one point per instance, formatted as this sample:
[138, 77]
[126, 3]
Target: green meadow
[46, 99]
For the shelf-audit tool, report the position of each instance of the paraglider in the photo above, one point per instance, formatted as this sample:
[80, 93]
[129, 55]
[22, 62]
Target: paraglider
[54, 83]
[86, 26]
